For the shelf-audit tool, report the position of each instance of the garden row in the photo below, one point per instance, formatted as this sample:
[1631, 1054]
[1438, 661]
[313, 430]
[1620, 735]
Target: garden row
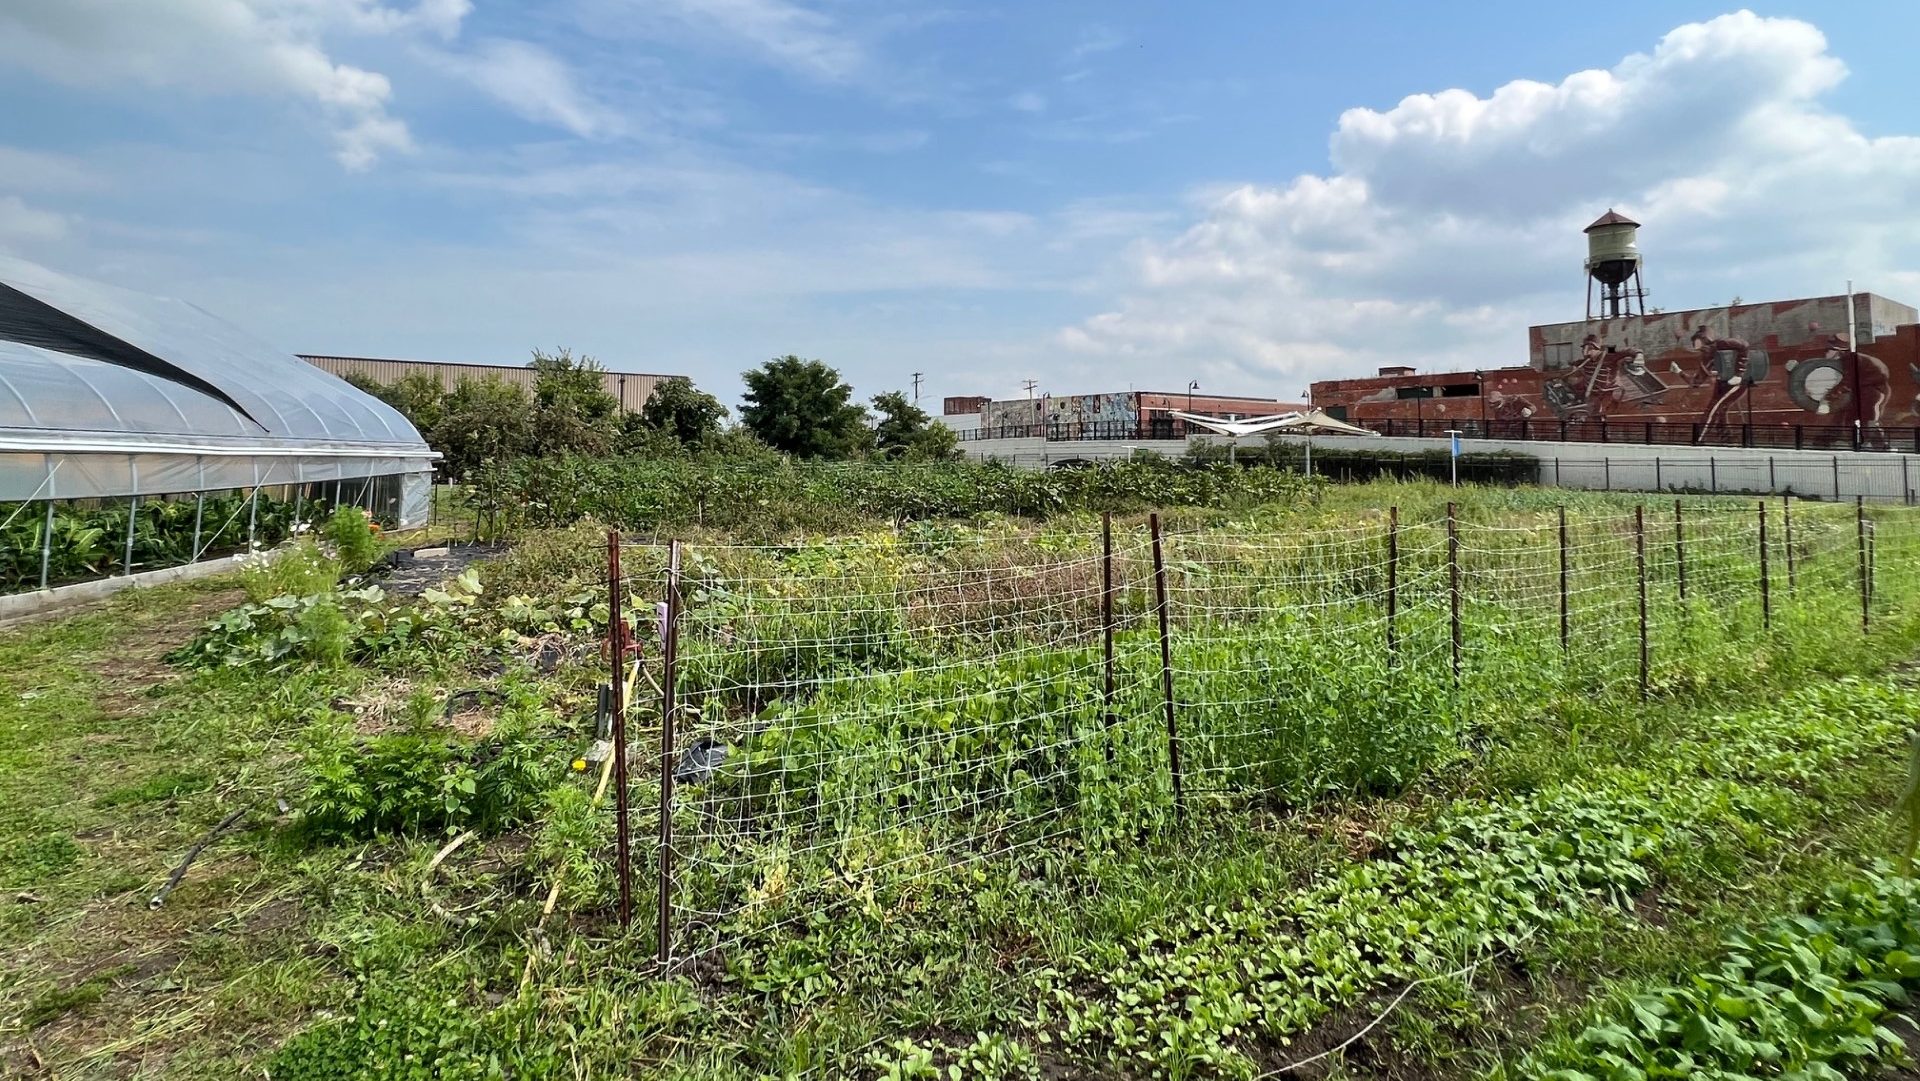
[1225, 991]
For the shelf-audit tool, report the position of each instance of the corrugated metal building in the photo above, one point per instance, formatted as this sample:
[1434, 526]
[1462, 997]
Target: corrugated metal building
[631, 389]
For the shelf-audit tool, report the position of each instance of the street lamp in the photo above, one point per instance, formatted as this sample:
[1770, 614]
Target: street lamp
[1192, 385]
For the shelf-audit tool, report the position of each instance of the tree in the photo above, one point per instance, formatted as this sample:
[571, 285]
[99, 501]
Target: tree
[572, 411]
[803, 408]
[905, 431]
[684, 411]
[482, 420]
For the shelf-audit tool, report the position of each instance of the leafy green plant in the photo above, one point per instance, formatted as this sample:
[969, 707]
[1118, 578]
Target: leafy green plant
[420, 781]
[1807, 996]
[355, 539]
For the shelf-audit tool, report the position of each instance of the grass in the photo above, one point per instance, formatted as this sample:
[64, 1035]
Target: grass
[1576, 843]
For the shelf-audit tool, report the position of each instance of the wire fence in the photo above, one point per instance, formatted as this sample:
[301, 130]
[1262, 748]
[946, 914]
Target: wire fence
[843, 719]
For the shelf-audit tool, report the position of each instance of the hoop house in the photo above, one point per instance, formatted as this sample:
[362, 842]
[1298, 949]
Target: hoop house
[111, 395]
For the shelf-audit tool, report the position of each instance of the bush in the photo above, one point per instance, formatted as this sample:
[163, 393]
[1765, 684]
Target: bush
[355, 539]
[420, 781]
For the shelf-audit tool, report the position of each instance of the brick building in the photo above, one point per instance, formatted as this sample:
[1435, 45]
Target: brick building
[1771, 374]
[1126, 414]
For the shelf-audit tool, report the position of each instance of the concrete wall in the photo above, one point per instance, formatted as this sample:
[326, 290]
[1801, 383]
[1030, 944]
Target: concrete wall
[1595, 466]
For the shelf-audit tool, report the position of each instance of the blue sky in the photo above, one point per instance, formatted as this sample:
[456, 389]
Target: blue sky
[1096, 196]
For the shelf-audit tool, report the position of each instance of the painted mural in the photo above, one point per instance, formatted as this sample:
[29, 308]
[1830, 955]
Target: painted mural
[1718, 372]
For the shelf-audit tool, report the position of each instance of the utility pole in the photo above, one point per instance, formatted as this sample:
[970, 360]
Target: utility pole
[1033, 421]
[916, 386]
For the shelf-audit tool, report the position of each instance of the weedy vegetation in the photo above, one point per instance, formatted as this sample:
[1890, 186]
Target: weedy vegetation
[1383, 801]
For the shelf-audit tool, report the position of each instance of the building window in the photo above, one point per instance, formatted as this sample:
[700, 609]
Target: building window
[1558, 355]
[1403, 393]
[1460, 390]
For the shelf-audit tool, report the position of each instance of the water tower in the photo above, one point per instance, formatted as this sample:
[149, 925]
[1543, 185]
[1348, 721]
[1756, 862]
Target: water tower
[1613, 260]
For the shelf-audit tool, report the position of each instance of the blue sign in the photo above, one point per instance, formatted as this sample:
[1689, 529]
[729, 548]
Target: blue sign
[1456, 443]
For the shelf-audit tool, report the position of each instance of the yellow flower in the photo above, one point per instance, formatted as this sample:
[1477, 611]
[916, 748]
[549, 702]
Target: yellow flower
[579, 765]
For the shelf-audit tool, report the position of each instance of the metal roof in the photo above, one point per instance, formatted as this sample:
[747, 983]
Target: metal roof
[1611, 217]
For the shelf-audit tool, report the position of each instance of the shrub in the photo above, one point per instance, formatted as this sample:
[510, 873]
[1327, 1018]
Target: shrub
[355, 540]
[420, 781]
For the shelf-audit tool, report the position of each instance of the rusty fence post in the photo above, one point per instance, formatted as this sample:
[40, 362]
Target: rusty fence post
[1786, 514]
[1106, 624]
[669, 704]
[1453, 584]
[1680, 549]
[1565, 624]
[1393, 584]
[1766, 585]
[1640, 565]
[1166, 671]
[617, 646]
[1860, 533]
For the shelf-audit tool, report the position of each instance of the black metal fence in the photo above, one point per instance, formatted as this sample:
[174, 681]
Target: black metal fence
[1644, 433]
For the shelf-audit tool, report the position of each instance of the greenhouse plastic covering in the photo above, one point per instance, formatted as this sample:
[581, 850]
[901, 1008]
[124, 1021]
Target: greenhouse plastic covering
[106, 392]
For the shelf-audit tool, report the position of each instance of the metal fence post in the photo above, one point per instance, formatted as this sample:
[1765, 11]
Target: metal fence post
[1713, 474]
[1657, 486]
[1680, 549]
[669, 705]
[1565, 637]
[1640, 565]
[1773, 482]
[1836, 478]
[1860, 532]
[1166, 671]
[1786, 516]
[1453, 584]
[1106, 623]
[617, 647]
[1393, 583]
[1766, 586]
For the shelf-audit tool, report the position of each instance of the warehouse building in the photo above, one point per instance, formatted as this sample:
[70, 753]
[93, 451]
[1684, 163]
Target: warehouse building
[630, 389]
[1126, 414]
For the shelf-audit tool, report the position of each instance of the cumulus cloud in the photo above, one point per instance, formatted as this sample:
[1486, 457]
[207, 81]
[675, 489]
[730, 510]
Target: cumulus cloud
[1450, 221]
[272, 48]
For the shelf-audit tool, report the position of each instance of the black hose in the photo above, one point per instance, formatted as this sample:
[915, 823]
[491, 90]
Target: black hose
[193, 853]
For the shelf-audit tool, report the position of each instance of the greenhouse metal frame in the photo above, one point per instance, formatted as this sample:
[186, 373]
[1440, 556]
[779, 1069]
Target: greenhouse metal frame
[110, 395]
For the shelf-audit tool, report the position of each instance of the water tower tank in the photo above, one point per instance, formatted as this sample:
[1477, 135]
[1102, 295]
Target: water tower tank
[1613, 260]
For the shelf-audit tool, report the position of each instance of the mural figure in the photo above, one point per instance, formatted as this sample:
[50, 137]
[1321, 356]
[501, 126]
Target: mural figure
[1604, 377]
[1734, 368]
[1818, 384]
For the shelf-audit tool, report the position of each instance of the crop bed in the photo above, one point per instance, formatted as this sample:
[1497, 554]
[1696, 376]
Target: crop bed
[1391, 795]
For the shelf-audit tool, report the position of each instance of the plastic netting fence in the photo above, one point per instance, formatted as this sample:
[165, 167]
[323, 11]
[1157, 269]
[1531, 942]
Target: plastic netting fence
[887, 708]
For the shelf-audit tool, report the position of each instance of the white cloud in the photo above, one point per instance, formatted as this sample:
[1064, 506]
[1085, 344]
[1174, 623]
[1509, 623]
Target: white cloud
[38, 170]
[270, 48]
[1028, 101]
[787, 34]
[1094, 40]
[22, 225]
[532, 83]
[1451, 221]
